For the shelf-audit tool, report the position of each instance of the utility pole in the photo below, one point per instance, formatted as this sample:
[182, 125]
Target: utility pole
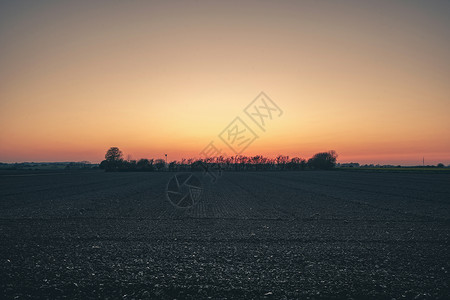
[166, 158]
[423, 161]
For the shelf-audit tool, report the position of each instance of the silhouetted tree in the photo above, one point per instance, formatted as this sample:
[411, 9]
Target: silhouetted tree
[323, 160]
[103, 165]
[296, 163]
[282, 161]
[114, 162]
[145, 164]
[160, 164]
[113, 154]
[129, 165]
[440, 165]
[173, 166]
[113, 159]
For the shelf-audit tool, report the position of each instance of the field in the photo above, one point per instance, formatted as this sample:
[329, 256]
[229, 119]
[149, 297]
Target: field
[274, 235]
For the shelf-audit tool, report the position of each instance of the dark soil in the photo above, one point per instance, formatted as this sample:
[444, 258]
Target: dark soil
[274, 235]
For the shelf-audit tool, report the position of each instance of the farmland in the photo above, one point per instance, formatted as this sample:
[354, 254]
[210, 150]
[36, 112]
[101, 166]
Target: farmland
[274, 235]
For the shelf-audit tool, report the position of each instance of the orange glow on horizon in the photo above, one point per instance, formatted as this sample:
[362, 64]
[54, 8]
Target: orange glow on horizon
[155, 78]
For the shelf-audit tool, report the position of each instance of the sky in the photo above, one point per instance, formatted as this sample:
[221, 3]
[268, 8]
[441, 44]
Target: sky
[368, 79]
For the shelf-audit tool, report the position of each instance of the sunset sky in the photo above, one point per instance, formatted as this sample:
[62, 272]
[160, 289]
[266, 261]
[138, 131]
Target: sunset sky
[369, 79]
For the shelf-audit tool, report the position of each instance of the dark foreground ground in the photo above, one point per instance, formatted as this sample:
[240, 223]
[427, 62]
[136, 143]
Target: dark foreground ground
[271, 235]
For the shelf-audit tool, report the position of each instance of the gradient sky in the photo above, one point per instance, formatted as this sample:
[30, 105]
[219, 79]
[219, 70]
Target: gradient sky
[367, 79]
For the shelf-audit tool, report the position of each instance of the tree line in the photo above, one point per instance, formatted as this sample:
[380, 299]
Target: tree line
[114, 161]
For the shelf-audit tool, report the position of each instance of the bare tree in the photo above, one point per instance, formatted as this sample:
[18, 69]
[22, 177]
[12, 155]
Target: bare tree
[113, 154]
